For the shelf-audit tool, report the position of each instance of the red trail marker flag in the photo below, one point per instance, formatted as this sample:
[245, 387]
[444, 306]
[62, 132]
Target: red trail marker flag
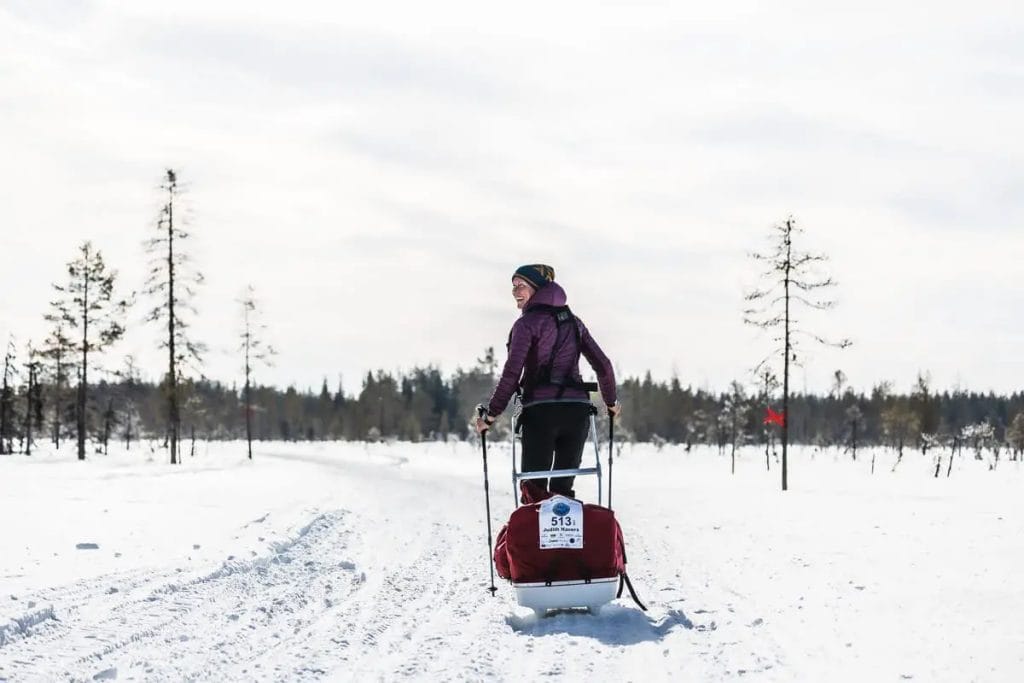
[771, 417]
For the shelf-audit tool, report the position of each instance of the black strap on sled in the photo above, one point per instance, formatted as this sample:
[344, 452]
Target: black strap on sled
[624, 581]
[563, 317]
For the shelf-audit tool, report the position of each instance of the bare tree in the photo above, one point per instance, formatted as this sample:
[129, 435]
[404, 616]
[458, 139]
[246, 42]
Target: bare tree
[129, 376]
[954, 444]
[901, 424]
[735, 410]
[924, 405]
[768, 384]
[109, 422]
[979, 435]
[853, 418]
[172, 282]
[791, 281]
[255, 350]
[936, 442]
[838, 382]
[1015, 435]
[87, 304]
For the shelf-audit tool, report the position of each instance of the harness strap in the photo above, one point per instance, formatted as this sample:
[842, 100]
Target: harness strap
[562, 316]
[624, 580]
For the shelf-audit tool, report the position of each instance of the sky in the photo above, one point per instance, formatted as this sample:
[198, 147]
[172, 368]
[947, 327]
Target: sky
[377, 172]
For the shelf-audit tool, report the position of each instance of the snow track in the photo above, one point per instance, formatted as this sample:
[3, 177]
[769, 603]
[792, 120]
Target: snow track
[374, 567]
[154, 624]
[392, 586]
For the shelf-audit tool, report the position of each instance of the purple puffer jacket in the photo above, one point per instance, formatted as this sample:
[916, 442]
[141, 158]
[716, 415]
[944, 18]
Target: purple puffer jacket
[533, 337]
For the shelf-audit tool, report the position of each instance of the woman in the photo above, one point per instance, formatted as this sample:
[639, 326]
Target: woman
[544, 349]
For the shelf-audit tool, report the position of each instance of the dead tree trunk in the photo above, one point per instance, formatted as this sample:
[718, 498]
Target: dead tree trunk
[172, 377]
[5, 401]
[785, 373]
[899, 453]
[28, 405]
[853, 439]
[108, 424]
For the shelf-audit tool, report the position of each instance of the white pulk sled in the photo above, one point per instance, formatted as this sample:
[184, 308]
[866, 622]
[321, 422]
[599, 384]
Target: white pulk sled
[577, 589]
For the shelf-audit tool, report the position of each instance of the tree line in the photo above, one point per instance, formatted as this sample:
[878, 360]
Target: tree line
[923, 418]
[424, 404]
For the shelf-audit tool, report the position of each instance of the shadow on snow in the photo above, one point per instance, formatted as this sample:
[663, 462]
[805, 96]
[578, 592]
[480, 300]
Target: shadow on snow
[613, 625]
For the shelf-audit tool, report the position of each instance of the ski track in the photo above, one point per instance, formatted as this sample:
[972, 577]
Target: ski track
[366, 595]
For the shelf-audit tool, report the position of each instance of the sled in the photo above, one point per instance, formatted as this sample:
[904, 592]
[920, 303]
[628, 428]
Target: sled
[545, 596]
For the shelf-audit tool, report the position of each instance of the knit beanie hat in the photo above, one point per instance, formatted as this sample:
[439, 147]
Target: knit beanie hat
[536, 274]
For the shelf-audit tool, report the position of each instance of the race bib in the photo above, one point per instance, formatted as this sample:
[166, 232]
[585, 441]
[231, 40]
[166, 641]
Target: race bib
[561, 523]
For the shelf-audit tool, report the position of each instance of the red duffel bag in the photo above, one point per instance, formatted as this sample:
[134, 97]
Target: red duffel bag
[535, 546]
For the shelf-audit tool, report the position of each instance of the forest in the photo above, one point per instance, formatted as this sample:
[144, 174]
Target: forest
[425, 404]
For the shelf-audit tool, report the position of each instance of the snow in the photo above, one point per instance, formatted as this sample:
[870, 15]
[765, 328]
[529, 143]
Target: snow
[350, 561]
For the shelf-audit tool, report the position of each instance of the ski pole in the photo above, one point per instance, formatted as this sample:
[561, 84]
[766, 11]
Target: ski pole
[611, 455]
[481, 411]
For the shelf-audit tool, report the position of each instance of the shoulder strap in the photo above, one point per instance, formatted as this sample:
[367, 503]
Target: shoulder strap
[562, 316]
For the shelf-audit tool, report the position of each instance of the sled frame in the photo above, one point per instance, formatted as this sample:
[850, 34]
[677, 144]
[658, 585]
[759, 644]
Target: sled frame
[518, 476]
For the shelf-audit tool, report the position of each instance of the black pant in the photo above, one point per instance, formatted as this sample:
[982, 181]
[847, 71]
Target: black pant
[554, 435]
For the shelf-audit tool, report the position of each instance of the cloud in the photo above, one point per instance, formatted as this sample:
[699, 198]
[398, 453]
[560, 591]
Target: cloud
[377, 172]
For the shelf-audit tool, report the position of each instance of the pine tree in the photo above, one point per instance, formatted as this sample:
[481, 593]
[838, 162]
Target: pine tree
[86, 304]
[790, 282]
[172, 281]
[254, 350]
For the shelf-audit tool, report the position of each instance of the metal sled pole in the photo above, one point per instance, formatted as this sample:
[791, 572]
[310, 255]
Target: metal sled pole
[597, 453]
[611, 455]
[553, 474]
[515, 483]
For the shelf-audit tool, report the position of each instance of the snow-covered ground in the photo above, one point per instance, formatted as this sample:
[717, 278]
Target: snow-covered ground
[369, 562]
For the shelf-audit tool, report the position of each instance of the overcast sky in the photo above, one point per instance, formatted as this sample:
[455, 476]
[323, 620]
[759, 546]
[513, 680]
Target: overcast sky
[377, 171]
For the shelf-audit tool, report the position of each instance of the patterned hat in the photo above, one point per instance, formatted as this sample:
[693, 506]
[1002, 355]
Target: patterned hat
[537, 274]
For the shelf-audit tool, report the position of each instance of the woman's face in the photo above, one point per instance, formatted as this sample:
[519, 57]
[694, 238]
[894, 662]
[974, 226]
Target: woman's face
[521, 291]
